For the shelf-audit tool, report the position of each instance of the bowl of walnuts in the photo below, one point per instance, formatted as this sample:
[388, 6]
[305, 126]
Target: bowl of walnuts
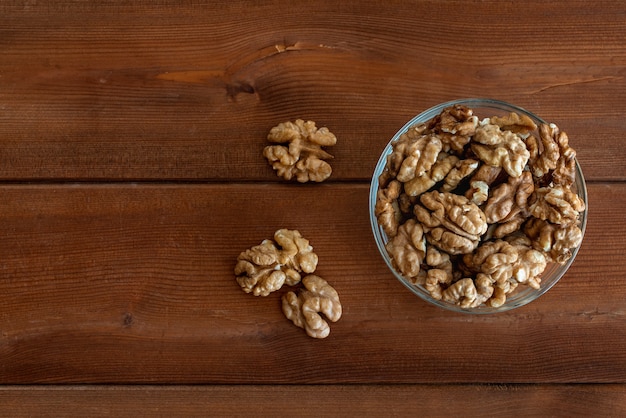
[478, 206]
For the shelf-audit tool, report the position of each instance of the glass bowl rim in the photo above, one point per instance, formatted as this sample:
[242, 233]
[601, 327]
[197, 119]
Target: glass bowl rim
[525, 296]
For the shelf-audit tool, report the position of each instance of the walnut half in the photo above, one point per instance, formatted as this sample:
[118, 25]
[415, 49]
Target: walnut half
[304, 308]
[299, 152]
[452, 223]
[266, 267]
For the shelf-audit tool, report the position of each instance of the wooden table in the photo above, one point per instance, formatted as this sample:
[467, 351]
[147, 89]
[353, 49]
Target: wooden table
[132, 176]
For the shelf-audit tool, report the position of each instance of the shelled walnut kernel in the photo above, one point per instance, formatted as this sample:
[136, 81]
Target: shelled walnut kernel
[474, 208]
[304, 308]
[266, 267]
[298, 151]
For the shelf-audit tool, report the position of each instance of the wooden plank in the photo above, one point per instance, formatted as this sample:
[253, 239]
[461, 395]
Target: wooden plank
[135, 284]
[316, 401]
[184, 90]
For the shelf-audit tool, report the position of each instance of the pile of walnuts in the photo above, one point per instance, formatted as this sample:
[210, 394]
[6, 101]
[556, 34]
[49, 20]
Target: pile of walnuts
[473, 208]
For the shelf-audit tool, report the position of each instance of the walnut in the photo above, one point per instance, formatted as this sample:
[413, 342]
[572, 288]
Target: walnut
[557, 204]
[420, 155]
[514, 122]
[303, 157]
[297, 254]
[455, 126]
[478, 192]
[461, 170]
[545, 155]
[554, 240]
[408, 248]
[480, 183]
[439, 275]
[495, 258]
[387, 210]
[447, 240]
[565, 171]
[532, 145]
[501, 149]
[438, 259]
[390, 171]
[529, 266]
[406, 203]
[509, 197]
[485, 290]
[399, 153]
[436, 281]
[266, 267]
[503, 265]
[500, 292]
[462, 292]
[438, 172]
[508, 204]
[304, 308]
[487, 173]
[451, 222]
[256, 272]
[552, 161]
[506, 261]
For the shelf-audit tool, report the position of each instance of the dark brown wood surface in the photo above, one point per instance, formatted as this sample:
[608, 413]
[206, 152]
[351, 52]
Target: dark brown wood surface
[319, 401]
[131, 177]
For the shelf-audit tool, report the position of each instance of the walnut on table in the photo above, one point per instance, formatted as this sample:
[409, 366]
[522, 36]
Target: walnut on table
[297, 254]
[266, 267]
[500, 149]
[303, 157]
[304, 308]
[419, 156]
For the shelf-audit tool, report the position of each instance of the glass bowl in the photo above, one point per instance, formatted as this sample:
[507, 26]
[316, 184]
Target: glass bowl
[483, 108]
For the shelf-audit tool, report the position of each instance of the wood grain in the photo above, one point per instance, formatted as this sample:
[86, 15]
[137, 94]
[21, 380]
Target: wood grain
[135, 284]
[316, 401]
[112, 91]
[131, 177]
